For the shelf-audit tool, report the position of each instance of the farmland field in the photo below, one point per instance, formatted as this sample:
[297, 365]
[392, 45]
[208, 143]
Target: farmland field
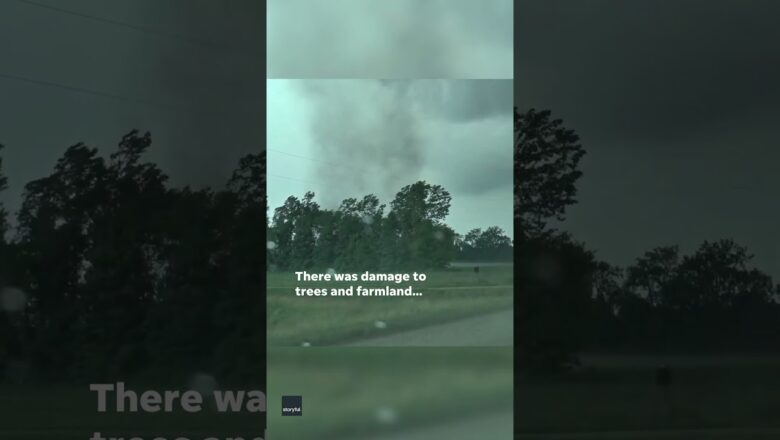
[347, 394]
[447, 295]
[730, 397]
[354, 393]
[351, 393]
[68, 412]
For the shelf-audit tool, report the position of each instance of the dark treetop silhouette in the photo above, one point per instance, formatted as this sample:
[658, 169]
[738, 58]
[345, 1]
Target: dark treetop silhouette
[120, 275]
[569, 301]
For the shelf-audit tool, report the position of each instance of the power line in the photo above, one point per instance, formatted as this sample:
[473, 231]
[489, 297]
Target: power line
[290, 178]
[316, 160]
[331, 166]
[363, 170]
[139, 28]
[87, 91]
[178, 110]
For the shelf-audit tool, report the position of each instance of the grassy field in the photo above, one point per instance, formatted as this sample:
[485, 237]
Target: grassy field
[353, 393]
[446, 295]
[347, 394]
[618, 393]
[69, 413]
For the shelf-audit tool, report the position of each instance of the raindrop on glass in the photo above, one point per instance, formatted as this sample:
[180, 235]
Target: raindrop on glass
[386, 415]
[13, 299]
[203, 383]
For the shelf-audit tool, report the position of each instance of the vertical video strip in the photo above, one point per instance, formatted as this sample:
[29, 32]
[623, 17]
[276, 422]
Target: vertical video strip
[390, 226]
[646, 166]
[132, 187]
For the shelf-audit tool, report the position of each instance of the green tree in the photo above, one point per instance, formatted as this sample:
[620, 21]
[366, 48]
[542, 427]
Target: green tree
[554, 304]
[187, 271]
[492, 244]
[3, 212]
[358, 234]
[247, 182]
[652, 273]
[125, 251]
[421, 201]
[327, 240]
[56, 216]
[239, 259]
[608, 281]
[282, 229]
[709, 299]
[304, 233]
[547, 157]
[717, 276]
[10, 330]
[415, 227]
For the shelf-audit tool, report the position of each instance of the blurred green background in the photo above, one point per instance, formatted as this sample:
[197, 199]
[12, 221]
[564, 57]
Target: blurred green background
[393, 392]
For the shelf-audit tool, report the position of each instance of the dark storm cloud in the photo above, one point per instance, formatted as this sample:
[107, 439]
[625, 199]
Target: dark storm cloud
[348, 138]
[389, 39]
[476, 99]
[677, 104]
[459, 101]
[650, 69]
[217, 80]
[384, 131]
[192, 75]
[365, 129]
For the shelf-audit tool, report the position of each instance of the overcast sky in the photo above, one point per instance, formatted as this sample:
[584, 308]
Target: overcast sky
[390, 39]
[349, 138]
[678, 106]
[192, 76]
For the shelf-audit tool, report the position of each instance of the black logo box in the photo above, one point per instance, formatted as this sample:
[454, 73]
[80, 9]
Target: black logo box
[292, 405]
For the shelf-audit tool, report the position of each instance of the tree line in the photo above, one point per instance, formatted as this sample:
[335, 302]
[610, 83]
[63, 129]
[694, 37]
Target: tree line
[115, 273]
[109, 271]
[569, 301]
[360, 235]
[710, 299]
